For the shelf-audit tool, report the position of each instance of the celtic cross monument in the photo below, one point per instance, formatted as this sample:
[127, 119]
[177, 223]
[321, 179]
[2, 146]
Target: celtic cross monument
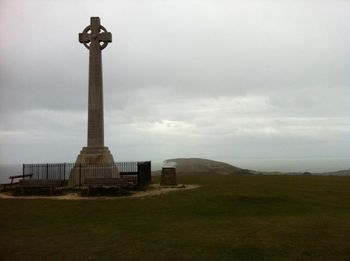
[95, 38]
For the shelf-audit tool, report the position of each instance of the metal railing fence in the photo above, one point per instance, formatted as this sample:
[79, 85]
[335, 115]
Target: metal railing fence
[73, 174]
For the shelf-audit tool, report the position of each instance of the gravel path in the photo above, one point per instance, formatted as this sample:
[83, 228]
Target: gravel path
[153, 190]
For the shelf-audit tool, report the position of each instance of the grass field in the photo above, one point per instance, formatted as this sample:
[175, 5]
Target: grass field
[228, 218]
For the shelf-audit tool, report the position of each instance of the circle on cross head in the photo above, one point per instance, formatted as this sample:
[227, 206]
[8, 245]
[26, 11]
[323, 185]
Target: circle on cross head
[87, 30]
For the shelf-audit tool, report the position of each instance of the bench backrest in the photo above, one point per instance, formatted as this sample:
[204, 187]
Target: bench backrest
[21, 176]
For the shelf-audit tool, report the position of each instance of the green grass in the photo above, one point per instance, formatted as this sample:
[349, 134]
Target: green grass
[228, 218]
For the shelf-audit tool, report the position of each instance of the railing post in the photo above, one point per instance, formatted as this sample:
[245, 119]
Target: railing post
[150, 172]
[23, 170]
[79, 175]
[64, 171]
[138, 181]
[47, 171]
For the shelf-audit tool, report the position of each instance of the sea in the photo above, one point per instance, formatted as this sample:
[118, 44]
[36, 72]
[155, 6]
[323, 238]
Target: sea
[313, 165]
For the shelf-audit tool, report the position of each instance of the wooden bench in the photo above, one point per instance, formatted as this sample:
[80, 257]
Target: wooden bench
[105, 183]
[20, 176]
[50, 184]
[5, 186]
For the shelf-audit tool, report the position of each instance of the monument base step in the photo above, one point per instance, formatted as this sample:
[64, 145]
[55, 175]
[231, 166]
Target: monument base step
[95, 155]
[93, 162]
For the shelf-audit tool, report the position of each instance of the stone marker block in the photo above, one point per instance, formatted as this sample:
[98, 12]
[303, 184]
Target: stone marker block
[168, 177]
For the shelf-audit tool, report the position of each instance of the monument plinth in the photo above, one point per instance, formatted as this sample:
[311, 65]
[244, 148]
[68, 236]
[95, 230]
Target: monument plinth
[95, 38]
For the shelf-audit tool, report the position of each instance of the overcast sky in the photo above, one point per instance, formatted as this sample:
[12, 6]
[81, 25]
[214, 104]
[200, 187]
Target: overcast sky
[238, 81]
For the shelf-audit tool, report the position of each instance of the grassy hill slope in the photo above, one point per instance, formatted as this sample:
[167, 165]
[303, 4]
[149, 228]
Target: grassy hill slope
[246, 217]
[195, 166]
[338, 173]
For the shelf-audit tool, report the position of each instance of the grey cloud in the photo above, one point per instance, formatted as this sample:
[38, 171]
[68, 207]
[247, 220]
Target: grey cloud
[217, 79]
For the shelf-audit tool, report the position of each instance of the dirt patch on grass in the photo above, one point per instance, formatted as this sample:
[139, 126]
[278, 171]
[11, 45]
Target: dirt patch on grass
[152, 190]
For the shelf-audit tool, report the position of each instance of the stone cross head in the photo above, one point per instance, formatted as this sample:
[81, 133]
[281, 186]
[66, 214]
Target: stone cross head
[95, 33]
